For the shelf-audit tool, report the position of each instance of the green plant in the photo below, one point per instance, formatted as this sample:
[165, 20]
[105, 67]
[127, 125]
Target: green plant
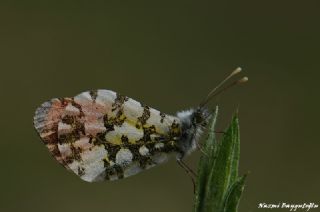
[218, 186]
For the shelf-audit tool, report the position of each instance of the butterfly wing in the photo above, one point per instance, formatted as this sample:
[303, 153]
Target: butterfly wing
[102, 135]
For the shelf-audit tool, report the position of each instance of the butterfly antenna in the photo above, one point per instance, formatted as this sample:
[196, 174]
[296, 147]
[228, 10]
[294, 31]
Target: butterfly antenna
[214, 92]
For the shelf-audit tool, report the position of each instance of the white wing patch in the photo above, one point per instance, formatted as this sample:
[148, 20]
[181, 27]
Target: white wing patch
[124, 157]
[143, 150]
[132, 109]
[64, 128]
[72, 110]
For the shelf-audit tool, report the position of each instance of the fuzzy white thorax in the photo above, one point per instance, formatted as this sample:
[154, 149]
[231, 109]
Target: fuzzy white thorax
[191, 131]
[185, 115]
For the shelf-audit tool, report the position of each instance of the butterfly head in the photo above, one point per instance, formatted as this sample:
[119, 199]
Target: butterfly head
[200, 117]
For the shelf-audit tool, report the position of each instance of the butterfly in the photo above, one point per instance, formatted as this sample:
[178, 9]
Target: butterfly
[102, 135]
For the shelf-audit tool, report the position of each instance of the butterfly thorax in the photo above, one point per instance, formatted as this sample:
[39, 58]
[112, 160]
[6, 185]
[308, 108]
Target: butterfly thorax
[193, 122]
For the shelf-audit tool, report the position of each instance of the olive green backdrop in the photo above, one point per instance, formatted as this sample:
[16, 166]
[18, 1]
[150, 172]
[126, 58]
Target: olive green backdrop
[167, 55]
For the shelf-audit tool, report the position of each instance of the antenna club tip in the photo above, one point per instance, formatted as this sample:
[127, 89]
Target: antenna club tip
[243, 80]
[239, 69]
[236, 71]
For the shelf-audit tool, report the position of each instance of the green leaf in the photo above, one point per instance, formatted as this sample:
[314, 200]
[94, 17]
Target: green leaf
[233, 197]
[218, 182]
[206, 161]
[235, 149]
[223, 172]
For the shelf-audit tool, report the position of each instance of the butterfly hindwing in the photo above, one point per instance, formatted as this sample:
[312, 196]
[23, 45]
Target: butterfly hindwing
[103, 135]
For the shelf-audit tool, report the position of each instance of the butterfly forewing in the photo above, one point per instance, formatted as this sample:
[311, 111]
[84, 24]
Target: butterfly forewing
[102, 135]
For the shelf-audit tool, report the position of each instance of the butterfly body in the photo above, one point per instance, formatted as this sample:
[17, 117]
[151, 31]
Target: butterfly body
[102, 135]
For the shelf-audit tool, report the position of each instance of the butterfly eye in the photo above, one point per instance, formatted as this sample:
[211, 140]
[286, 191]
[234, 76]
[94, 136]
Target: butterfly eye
[198, 117]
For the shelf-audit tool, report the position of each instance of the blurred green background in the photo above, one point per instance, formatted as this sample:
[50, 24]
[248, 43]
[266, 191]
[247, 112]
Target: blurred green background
[167, 55]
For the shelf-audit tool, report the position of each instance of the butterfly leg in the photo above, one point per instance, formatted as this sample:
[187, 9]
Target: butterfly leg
[189, 171]
[220, 132]
[201, 149]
